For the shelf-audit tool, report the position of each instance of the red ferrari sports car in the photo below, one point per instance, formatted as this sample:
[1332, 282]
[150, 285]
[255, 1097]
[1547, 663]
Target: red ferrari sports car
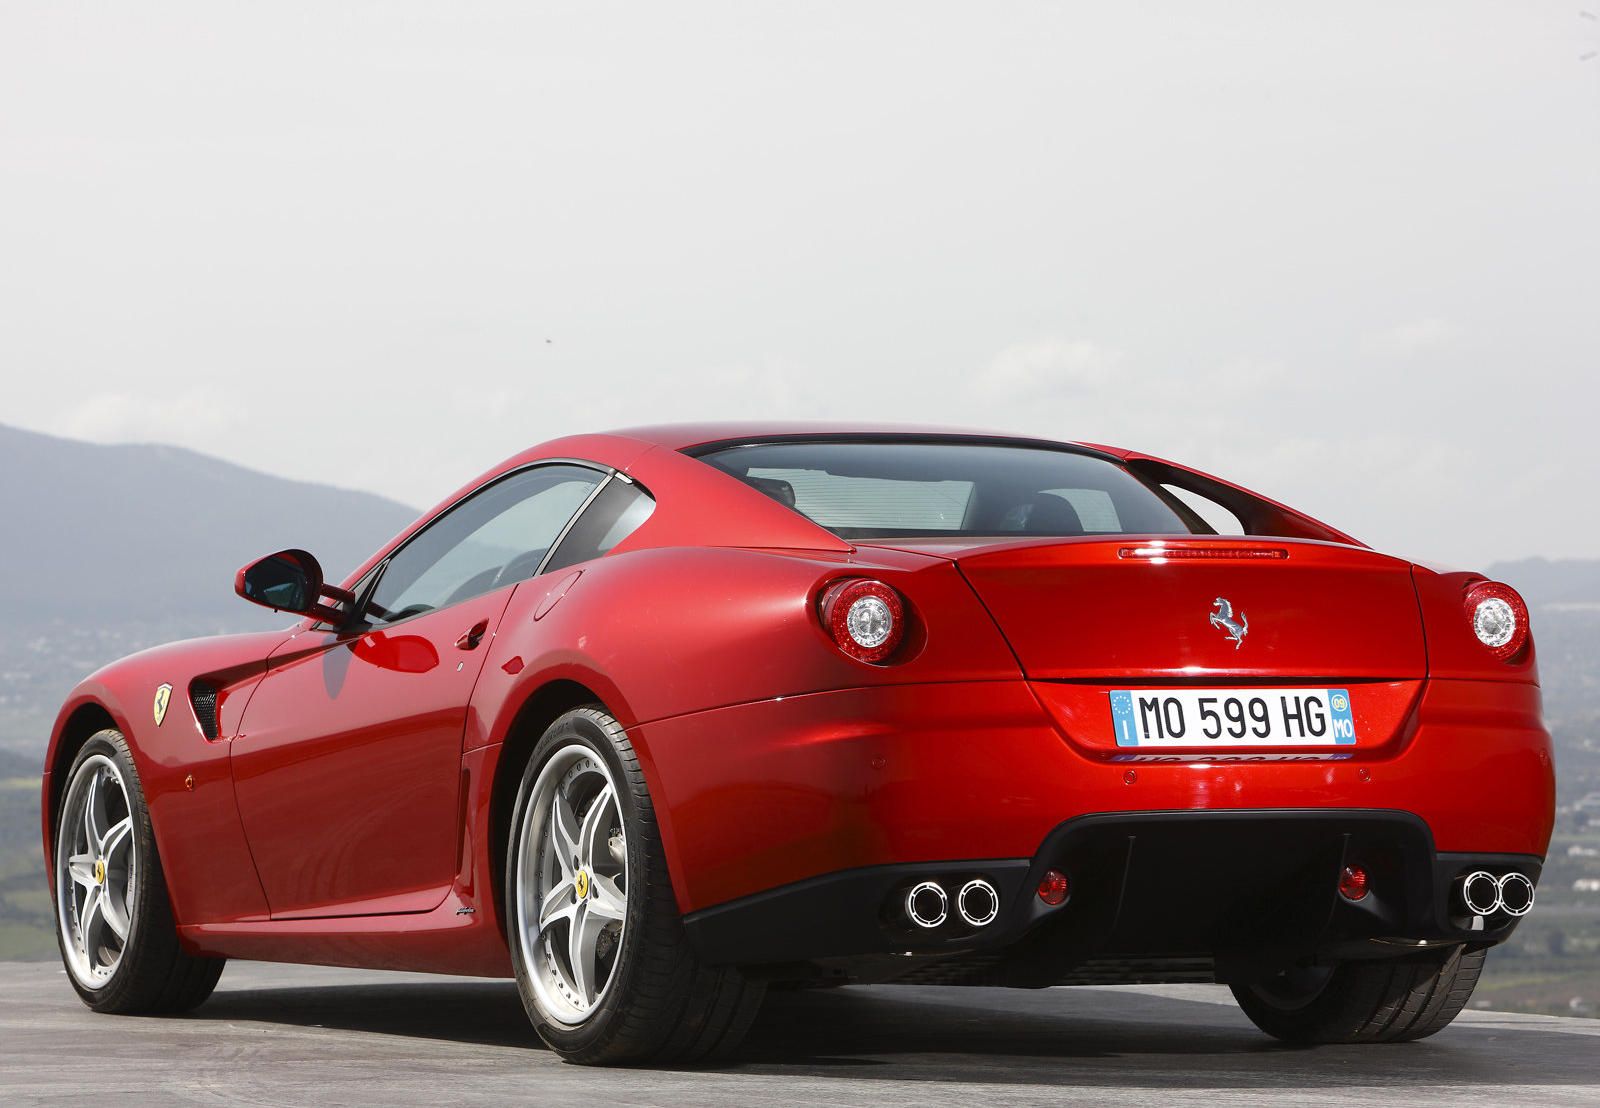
[656, 720]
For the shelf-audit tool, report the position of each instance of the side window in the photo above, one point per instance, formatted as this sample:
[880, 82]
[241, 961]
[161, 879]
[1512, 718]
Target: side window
[497, 537]
[613, 515]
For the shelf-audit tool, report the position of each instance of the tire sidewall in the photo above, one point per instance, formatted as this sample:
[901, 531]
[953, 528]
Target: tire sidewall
[600, 733]
[1368, 1000]
[147, 884]
[1300, 1022]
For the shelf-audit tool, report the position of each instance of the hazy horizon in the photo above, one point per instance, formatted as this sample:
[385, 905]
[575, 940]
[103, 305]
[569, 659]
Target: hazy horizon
[1347, 256]
[1554, 560]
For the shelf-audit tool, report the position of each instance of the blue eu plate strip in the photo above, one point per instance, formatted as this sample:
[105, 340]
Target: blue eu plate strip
[1122, 719]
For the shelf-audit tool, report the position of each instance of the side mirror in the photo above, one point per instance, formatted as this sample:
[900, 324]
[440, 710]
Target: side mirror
[289, 581]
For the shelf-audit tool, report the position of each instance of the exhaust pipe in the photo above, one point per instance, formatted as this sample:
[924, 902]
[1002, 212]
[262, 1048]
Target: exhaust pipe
[1484, 894]
[927, 906]
[978, 903]
[1480, 892]
[1516, 894]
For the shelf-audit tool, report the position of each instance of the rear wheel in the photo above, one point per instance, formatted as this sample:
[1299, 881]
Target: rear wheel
[113, 917]
[1387, 1001]
[604, 967]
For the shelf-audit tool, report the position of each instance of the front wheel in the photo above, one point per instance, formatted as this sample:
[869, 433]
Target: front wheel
[603, 965]
[113, 918]
[1385, 1001]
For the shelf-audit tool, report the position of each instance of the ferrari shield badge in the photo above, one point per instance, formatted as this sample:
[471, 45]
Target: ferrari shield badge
[163, 695]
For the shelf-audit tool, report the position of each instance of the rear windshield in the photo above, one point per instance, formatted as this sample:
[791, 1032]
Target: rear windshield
[873, 490]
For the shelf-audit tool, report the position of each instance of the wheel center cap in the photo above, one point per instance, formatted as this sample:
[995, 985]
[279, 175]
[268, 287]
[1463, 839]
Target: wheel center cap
[580, 884]
[99, 871]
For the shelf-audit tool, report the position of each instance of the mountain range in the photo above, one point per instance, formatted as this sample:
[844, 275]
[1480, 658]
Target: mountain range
[131, 533]
[110, 549]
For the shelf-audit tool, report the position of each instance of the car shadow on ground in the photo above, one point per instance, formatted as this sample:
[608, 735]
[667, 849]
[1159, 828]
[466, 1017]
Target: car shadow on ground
[1082, 1037]
[484, 1013]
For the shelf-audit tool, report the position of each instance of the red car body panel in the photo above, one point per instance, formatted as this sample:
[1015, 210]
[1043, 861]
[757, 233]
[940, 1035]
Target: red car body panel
[186, 778]
[311, 736]
[1083, 610]
[922, 773]
[349, 806]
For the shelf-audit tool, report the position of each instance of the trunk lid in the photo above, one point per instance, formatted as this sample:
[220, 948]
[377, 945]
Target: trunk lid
[1197, 609]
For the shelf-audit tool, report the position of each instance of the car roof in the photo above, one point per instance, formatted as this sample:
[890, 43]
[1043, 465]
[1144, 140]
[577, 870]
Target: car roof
[686, 436]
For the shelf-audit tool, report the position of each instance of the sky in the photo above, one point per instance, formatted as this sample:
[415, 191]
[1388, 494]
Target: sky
[1345, 254]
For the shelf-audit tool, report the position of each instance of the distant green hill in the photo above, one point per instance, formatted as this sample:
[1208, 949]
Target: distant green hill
[25, 926]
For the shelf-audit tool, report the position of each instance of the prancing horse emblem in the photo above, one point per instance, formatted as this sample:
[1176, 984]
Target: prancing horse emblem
[163, 694]
[1235, 629]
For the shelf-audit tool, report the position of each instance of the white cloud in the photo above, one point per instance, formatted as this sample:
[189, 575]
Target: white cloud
[1048, 366]
[1415, 337]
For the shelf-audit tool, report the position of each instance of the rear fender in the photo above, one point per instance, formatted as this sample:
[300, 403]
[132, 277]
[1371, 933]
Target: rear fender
[684, 630]
[1453, 650]
[664, 633]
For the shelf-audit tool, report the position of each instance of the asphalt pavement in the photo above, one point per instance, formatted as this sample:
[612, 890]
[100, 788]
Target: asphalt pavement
[302, 1036]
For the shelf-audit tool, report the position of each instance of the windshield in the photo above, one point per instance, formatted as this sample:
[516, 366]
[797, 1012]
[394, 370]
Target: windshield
[873, 490]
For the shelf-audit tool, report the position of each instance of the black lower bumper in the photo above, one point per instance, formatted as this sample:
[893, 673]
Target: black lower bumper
[1155, 896]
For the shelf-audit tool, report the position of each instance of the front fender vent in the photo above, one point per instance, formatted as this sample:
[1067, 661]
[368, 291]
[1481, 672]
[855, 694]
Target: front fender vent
[204, 699]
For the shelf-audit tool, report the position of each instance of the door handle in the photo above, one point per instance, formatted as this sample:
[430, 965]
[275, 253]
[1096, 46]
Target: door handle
[472, 638]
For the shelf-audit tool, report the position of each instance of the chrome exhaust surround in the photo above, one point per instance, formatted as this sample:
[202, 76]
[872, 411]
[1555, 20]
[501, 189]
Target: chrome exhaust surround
[1484, 894]
[978, 902]
[927, 906]
[1480, 892]
[1516, 894]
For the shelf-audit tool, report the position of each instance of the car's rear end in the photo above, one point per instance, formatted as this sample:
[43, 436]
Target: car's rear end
[1221, 757]
[1286, 777]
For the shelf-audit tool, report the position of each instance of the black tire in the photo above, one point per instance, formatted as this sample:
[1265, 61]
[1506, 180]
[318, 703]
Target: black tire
[154, 974]
[661, 1003]
[1393, 1000]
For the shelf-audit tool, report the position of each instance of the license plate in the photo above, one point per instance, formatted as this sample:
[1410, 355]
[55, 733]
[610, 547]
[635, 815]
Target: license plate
[1232, 717]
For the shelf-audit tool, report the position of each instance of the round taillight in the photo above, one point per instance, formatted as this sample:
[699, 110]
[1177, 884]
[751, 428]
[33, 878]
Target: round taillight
[1498, 617]
[1053, 888]
[866, 618]
[1353, 883]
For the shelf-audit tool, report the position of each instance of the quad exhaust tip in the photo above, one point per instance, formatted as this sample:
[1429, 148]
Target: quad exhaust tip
[927, 905]
[1516, 894]
[978, 903]
[1484, 894]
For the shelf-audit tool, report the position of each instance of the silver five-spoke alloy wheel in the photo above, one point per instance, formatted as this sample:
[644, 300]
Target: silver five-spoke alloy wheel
[96, 862]
[571, 896]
